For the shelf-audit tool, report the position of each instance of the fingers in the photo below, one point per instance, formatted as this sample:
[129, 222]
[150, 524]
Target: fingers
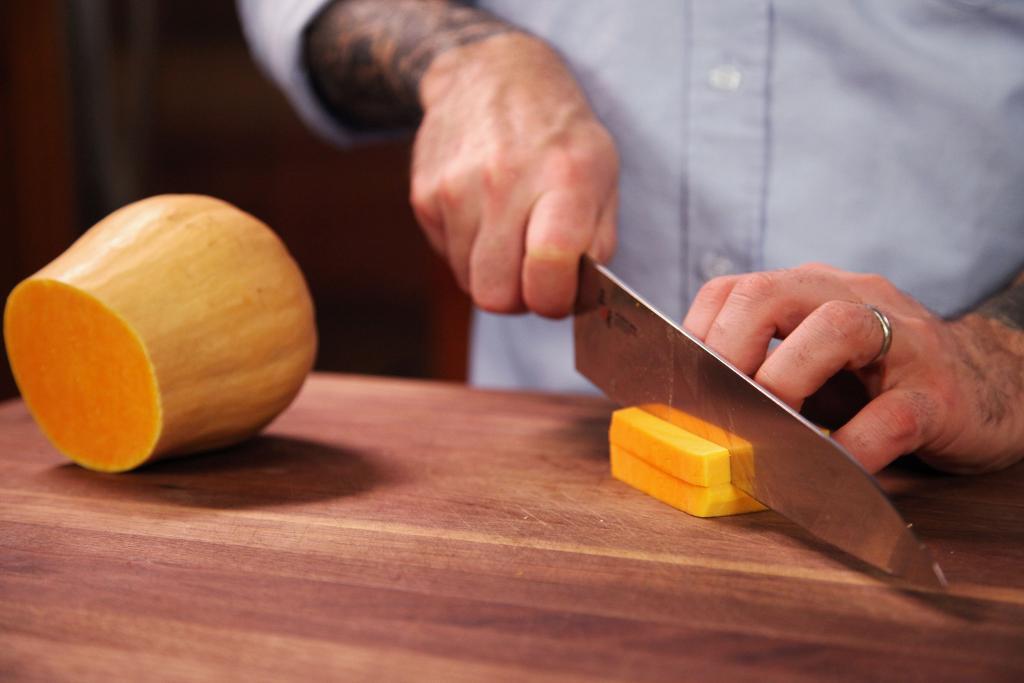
[562, 227]
[497, 255]
[508, 254]
[894, 423]
[460, 211]
[602, 248]
[574, 214]
[539, 272]
[760, 306]
[707, 304]
[513, 226]
[514, 177]
[838, 335]
[428, 214]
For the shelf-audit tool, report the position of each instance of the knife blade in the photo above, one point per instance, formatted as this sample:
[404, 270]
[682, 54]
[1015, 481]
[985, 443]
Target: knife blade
[638, 357]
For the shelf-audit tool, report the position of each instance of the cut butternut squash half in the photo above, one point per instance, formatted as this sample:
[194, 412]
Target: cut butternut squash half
[700, 501]
[177, 324]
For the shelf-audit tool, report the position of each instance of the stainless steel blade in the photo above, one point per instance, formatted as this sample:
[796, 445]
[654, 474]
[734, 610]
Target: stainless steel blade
[639, 357]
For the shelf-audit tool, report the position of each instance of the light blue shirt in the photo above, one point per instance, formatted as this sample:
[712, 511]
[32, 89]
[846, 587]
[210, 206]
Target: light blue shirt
[881, 136]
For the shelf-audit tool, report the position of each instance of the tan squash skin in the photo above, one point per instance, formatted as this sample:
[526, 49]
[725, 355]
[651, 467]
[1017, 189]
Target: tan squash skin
[220, 306]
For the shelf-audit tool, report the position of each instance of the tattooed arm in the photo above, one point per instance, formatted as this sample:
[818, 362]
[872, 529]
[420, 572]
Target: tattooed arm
[367, 58]
[1007, 307]
[513, 177]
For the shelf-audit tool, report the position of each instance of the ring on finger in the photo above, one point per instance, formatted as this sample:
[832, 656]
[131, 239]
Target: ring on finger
[886, 325]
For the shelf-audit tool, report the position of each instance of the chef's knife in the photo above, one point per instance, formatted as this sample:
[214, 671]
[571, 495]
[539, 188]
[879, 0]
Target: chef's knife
[638, 357]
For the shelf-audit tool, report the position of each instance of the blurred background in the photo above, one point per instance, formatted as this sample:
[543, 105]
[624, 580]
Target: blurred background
[103, 102]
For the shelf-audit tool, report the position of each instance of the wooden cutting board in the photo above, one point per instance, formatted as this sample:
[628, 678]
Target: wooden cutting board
[402, 530]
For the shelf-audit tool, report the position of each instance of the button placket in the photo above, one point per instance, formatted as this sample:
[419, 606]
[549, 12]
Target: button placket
[727, 143]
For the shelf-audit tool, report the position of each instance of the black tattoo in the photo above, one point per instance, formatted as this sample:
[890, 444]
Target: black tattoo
[1006, 307]
[991, 355]
[366, 57]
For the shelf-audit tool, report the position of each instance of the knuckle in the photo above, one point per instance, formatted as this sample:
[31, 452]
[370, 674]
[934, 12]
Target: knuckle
[816, 266]
[889, 291]
[572, 161]
[452, 186]
[584, 154]
[768, 375]
[430, 226]
[565, 166]
[600, 137]
[421, 196]
[874, 279]
[717, 331]
[903, 421]
[756, 287]
[713, 289]
[597, 148]
[498, 170]
[845, 320]
[925, 335]
[877, 286]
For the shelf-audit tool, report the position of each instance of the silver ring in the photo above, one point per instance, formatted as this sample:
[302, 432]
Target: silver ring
[883, 320]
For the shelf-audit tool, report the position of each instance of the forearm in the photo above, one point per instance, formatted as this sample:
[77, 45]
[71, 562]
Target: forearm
[366, 58]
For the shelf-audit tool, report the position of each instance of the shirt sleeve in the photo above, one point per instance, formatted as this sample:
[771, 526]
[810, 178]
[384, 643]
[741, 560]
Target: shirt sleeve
[275, 31]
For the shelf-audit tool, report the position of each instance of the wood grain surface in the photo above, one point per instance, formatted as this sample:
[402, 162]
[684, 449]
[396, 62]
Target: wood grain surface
[400, 530]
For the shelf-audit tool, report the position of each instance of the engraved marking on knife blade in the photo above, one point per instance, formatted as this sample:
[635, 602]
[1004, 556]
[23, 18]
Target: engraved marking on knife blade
[613, 318]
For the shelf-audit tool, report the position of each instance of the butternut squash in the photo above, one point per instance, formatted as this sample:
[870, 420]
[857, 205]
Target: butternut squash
[700, 501]
[737, 446]
[675, 465]
[176, 324]
[670, 448]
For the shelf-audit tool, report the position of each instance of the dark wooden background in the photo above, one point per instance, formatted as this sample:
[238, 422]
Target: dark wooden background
[179, 106]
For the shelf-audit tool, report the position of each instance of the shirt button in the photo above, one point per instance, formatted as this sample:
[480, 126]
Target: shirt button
[715, 265]
[725, 77]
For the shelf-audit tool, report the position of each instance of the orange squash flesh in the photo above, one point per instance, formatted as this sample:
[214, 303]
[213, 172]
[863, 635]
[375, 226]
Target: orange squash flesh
[737, 446]
[699, 501]
[84, 374]
[676, 466]
[670, 448]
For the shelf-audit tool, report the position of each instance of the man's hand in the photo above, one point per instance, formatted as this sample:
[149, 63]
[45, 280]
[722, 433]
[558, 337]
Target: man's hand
[952, 392]
[513, 178]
